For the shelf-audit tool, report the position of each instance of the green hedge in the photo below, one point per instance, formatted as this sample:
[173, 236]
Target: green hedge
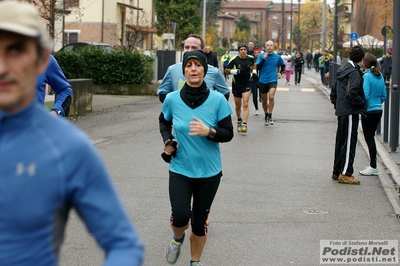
[117, 67]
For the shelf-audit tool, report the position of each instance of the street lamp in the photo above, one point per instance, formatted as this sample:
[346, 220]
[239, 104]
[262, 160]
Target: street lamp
[204, 19]
[298, 33]
[283, 26]
[173, 25]
[291, 26]
[269, 7]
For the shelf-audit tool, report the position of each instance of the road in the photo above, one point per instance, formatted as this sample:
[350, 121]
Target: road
[276, 200]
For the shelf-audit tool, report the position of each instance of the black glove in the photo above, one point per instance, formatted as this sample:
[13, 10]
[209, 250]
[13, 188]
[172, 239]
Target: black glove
[167, 158]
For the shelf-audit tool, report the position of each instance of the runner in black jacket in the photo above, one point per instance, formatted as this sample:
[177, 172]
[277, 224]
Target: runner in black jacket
[348, 97]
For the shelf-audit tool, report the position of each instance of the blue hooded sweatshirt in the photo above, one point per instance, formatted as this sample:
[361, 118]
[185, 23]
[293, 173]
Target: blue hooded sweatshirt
[374, 90]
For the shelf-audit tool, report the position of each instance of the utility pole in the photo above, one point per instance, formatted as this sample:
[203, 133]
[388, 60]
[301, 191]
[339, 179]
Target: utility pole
[291, 26]
[283, 26]
[204, 19]
[298, 35]
[323, 27]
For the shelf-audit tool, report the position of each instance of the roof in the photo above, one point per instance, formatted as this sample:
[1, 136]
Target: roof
[262, 5]
[142, 28]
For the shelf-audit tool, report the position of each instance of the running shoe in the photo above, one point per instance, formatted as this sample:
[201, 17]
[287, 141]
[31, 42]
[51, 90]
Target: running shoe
[334, 177]
[369, 171]
[173, 250]
[239, 125]
[196, 263]
[244, 128]
[345, 179]
[256, 112]
[266, 120]
[270, 120]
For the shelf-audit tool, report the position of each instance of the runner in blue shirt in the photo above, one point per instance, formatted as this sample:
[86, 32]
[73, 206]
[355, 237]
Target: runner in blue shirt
[268, 64]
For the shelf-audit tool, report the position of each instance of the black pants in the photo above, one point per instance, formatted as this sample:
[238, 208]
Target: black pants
[181, 191]
[387, 76]
[345, 146]
[297, 74]
[225, 75]
[254, 90]
[322, 73]
[369, 126]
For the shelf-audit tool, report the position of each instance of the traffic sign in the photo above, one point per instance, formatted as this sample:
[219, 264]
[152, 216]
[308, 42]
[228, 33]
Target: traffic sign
[353, 36]
[386, 30]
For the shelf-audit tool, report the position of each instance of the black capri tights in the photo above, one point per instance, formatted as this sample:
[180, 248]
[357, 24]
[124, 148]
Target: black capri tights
[181, 189]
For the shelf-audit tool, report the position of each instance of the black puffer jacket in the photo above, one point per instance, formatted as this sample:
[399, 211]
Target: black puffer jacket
[298, 62]
[347, 92]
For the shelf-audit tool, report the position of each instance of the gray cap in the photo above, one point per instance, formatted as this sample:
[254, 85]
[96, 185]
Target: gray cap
[24, 19]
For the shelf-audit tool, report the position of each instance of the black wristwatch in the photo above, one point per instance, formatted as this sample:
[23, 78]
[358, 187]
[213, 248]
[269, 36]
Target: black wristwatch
[58, 112]
[212, 133]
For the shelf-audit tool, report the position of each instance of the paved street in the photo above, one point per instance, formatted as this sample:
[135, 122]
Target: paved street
[276, 200]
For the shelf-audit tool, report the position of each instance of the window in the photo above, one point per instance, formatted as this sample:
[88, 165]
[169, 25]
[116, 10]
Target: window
[71, 3]
[274, 34]
[70, 37]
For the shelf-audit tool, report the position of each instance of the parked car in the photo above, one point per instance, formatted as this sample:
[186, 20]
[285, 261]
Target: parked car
[75, 46]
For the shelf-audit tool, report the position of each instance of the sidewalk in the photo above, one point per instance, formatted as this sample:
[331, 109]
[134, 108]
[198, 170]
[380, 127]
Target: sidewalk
[101, 101]
[390, 160]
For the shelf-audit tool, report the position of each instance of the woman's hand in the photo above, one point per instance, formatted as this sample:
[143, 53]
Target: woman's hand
[197, 128]
[168, 148]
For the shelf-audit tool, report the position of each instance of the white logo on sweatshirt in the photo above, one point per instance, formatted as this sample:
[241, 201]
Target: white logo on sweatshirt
[29, 170]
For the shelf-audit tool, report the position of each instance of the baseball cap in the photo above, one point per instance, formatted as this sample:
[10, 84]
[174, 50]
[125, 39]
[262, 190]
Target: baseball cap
[24, 19]
[195, 54]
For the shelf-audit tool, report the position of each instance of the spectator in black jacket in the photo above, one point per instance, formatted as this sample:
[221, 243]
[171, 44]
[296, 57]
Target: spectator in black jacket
[386, 66]
[349, 100]
[309, 59]
[211, 57]
[298, 67]
[317, 55]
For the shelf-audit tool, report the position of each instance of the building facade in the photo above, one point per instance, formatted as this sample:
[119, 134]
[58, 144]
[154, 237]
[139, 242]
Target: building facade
[265, 17]
[123, 23]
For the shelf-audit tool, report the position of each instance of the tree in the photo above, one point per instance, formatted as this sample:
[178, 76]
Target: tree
[213, 7]
[242, 31]
[311, 25]
[241, 35]
[211, 36]
[184, 12]
[53, 10]
[138, 25]
[244, 23]
[363, 24]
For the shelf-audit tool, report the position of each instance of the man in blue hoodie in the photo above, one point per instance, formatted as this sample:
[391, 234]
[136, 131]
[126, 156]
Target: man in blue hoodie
[41, 177]
[54, 76]
[348, 97]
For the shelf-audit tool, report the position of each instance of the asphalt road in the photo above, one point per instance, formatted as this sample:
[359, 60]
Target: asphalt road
[276, 200]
